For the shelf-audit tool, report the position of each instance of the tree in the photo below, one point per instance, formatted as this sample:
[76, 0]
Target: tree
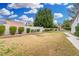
[44, 18]
[67, 25]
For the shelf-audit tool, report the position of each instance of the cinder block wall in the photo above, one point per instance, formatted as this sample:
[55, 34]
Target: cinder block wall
[25, 29]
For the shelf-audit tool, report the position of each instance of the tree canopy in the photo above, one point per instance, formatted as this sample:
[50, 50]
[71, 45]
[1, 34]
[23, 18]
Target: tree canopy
[67, 25]
[44, 18]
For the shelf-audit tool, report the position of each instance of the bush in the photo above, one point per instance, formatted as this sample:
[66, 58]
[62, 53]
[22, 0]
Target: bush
[28, 30]
[77, 33]
[2, 29]
[20, 30]
[77, 30]
[12, 30]
[67, 28]
[48, 29]
[32, 30]
[38, 30]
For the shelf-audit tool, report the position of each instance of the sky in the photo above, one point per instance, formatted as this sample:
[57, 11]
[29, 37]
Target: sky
[28, 11]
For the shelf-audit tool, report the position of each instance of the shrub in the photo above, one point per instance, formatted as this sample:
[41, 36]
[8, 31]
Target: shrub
[48, 29]
[2, 29]
[77, 30]
[32, 30]
[28, 30]
[67, 28]
[20, 30]
[12, 30]
[77, 33]
[38, 30]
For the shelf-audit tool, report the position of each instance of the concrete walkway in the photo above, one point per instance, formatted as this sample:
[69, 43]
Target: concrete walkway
[73, 39]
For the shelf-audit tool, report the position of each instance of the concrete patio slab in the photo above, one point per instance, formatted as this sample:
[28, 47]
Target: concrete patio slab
[73, 39]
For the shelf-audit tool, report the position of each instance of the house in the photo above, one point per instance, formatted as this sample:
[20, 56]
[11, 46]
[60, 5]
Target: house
[11, 23]
[74, 23]
[14, 23]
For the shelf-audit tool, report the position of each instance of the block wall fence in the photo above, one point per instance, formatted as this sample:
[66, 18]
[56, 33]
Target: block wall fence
[25, 29]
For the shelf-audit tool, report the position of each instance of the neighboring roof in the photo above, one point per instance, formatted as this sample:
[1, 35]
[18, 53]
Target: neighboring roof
[14, 23]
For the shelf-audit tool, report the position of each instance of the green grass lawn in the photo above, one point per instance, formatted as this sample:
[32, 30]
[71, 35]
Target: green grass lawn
[50, 43]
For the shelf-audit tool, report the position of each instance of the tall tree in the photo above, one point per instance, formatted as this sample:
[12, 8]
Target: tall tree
[44, 18]
[67, 25]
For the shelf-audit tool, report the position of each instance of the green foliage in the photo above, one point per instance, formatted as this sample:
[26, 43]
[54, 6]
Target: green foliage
[28, 30]
[77, 30]
[44, 18]
[54, 26]
[77, 33]
[12, 30]
[31, 30]
[67, 28]
[77, 27]
[67, 25]
[20, 30]
[48, 29]
[2, 29]
[38, 30]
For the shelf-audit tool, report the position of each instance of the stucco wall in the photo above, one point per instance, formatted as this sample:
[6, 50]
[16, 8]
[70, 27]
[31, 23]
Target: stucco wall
[74, 24]
[25, 29]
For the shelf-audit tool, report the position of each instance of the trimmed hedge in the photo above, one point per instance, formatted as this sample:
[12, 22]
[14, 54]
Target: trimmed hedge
[12, 30]
[20, 30]
[28, 30]
[67, 28]
[77, 33]
[77, 30]
[38, 30]
[32, 30]
[48, 29]
[2, 29]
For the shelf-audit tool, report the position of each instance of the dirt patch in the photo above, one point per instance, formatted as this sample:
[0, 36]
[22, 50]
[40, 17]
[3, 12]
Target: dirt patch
[54, 43]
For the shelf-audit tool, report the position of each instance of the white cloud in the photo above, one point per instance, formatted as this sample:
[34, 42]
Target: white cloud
[70, 18]
[4, 12]
[16, 20]
[1, 16]
[33, 6]
[55, 21]
[65, 3]
[55, 3]
[31, 11]
[58, 3]
[31, 19]
[12, 12]
[70, 6]
[13, 16]
[25, 5]
[25, 19]
[58, 15]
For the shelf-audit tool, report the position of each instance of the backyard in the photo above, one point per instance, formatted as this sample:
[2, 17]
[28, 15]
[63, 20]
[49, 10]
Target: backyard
[41, 44]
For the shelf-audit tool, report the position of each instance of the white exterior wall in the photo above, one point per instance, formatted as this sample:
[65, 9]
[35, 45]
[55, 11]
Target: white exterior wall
[74, 24]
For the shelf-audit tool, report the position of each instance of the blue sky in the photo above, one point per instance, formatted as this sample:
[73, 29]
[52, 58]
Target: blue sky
[28, 11]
